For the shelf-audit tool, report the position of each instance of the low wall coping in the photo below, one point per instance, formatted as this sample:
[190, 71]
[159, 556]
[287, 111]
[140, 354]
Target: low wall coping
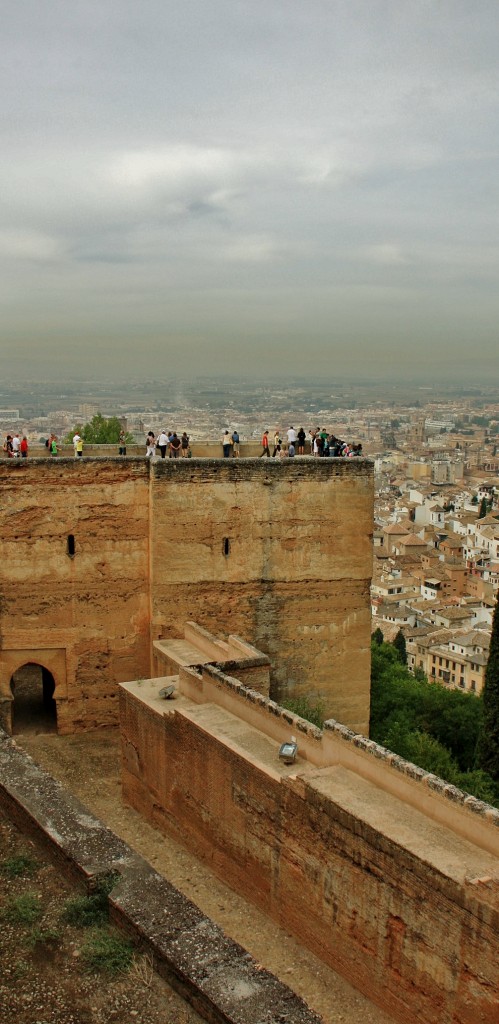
[393, 762]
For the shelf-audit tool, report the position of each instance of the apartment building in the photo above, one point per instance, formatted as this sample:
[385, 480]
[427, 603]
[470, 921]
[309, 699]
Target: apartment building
[453, 659]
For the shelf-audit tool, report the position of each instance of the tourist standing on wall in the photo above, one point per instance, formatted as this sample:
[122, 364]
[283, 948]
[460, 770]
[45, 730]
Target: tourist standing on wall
[150, 445]
[235, 444]
[291, 435]
[265, 444]
[76, 438]
[175, 445]
[24, 447]
[163, 443]
[79, 448]
[16, 446]
[301, 441]
[7, 446]
[184, 440]
[54, 450]
[277, 444]
[122, 443]
[226, 444]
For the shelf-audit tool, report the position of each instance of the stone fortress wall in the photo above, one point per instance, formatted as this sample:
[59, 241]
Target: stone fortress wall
[102, 557]
[387, 873]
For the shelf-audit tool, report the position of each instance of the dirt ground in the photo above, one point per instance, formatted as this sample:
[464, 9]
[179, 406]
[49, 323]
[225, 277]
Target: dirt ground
[88, 765]
[43, 975]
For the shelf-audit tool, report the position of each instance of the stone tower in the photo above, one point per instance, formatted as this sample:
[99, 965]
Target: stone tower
[102, 556]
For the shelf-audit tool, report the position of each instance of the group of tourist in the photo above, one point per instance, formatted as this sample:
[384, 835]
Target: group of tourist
[230, 444]
[167, 441]
[16, 447]
[323, 444]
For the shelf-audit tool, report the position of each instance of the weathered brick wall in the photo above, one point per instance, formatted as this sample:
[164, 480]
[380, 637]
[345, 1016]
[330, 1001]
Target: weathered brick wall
[295, 581]
[418, 937]
[277, 553]
[94, 607]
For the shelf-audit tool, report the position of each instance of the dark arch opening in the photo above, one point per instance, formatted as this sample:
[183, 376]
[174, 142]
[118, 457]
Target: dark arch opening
[33, 708]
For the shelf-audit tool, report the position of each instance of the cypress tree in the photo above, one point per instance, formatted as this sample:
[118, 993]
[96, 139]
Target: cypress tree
[483, 509]
[378, 636]
[400, 646]
[488, 747]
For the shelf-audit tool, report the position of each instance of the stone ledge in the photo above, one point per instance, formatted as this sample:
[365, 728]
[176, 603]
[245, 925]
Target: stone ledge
[216, 975]
[362, 743]
[216, 671]
[412, 771]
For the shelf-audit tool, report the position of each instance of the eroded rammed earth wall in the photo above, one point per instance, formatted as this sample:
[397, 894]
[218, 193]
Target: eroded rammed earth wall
[296, 579]
[86, 617]
[279, 553]
[385, 872]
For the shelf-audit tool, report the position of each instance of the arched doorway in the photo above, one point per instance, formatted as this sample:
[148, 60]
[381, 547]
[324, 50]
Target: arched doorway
[33, 708]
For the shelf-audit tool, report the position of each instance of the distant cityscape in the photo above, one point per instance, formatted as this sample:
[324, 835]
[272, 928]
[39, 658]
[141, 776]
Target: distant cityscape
[365, 410]
[436, 459]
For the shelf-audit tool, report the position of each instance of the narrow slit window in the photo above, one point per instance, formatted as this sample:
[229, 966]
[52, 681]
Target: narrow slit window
[226, 546]
[71, 545]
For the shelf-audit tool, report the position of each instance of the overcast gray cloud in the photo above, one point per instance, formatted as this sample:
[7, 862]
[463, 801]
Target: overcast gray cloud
[211, 184]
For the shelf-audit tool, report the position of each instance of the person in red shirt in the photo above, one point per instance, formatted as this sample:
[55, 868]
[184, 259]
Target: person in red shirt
[24, 447]
[265, 444]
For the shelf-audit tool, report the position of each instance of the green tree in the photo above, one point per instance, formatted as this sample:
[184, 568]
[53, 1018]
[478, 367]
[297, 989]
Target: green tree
[483, 509]
[488, 746]
[400, 646]
[435, 728]
[378, 636]
[100, 430]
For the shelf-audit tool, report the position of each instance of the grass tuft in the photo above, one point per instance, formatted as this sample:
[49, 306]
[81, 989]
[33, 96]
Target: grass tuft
[305, 708]
[23, 909]
[19, 865]
[108, 953]
[49, 937]
[86, 911]
[91, 910]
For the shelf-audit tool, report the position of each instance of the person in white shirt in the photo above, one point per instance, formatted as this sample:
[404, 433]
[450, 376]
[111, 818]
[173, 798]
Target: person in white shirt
[76, 438]
[163, 443]
[291, 435]
[16, 446]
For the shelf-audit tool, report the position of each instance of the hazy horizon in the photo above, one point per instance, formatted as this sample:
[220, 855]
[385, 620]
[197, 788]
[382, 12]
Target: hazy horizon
[250, 189]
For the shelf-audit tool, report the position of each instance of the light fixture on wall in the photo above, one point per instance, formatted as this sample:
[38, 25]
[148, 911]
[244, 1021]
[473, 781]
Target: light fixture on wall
[288, 751]
[167, 692]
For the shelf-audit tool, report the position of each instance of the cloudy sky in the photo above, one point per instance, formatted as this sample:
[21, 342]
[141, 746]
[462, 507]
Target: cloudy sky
[276, 186]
